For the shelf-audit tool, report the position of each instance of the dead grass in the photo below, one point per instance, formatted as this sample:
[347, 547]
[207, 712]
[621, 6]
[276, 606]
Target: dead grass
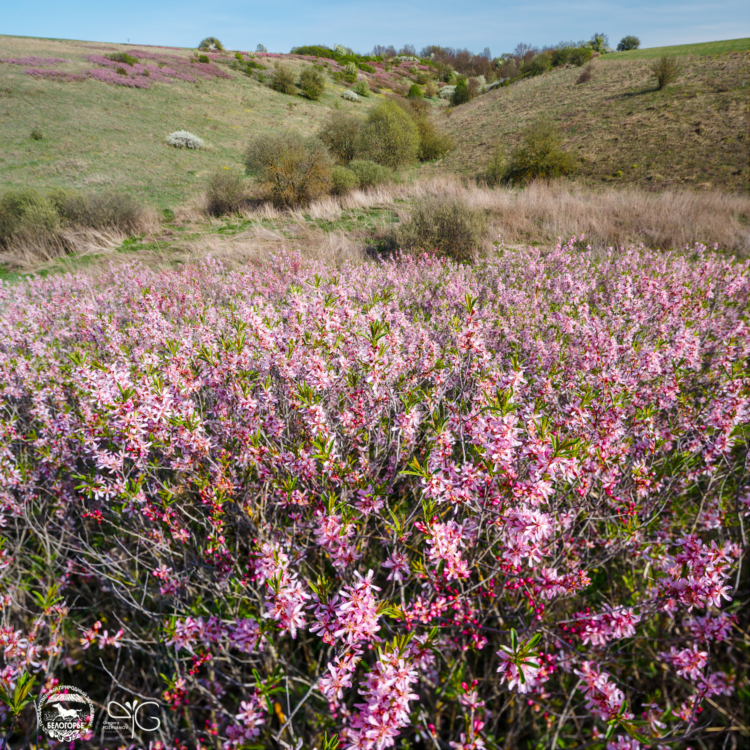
[538, 214]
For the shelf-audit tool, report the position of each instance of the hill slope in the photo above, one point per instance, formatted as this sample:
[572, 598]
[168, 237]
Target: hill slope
[97, 133]
[694, 132]
[701, 48]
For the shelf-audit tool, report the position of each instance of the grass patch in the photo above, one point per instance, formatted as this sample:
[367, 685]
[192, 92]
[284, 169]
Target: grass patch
[703, 48]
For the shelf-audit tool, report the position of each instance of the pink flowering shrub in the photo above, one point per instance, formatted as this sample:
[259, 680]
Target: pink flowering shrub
[500, 505]
[32, 60]
[54, 75]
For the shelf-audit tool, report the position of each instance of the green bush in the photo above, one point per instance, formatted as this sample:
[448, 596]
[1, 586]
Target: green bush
[389, 136]
[341, 134]
[362, 88]
[204, 59]
[446, 226]
[211, 44]
[423, 79]
[225, 192]
[540, 64]
[432, 143]
[460, 93]
[343, 180]
[580, 56]
[540, 156]
[370, 173]
[312, 83]
[431, 90]
[628, 42]
[561, 56]
[351, 70]
[27, 215]
[415, 92]
[122, 57]
[496, 168]
[293, 170]
[283, 79]
[666, 70]
[36, 134]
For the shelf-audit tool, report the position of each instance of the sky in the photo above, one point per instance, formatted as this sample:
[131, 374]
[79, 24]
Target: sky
[359, 24]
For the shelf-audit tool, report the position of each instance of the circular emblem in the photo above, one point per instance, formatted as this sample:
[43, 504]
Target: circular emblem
[65, 713]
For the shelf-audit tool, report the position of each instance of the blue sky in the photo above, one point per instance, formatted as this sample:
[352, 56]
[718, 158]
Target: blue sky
[497, 24]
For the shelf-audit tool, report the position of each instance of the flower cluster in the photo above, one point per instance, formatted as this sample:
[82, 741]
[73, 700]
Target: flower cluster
[309, 499]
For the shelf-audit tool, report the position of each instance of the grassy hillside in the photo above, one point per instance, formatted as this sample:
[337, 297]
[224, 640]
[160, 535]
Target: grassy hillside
[703, 48]
[96, 133]
[694, 133]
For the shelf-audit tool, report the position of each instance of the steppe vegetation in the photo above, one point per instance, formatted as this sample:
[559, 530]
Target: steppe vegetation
[394, 400]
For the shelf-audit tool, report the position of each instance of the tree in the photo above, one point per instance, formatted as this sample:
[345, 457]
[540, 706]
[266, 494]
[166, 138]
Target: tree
[628, 42]
[261, 48]
[389, 136]
[599, 42]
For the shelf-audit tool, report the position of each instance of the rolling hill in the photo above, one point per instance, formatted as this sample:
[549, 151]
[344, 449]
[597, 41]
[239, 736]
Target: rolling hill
[694, 133]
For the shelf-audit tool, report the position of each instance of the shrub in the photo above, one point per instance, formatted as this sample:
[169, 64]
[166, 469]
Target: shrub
[540, 64]
[36, 134]
[447, 92]
[238, 55]
[496, 168]
[628, 42]
[540, 156]
[561, 56]
[415, 92]
[389, 136]
[121, 71]
[312, 83]
[362, 88]
[122, 57]
[184, 139]
[341, 135]
[370, 173]
[474, 86]
[292, 169]
[586, 74]
[430, 90]
[580, 56]
[109, 209]
[225, 192]
[26, 215]
[447, 226]
[351, 70]
[211, 44]
[350, 96]
[423, 79]
[666, 70]
[283, 79]
[343, 180]
[460, 93]
[432, 143]
[204, 59]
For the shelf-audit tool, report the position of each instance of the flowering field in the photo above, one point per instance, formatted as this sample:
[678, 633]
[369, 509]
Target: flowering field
[405, 504]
